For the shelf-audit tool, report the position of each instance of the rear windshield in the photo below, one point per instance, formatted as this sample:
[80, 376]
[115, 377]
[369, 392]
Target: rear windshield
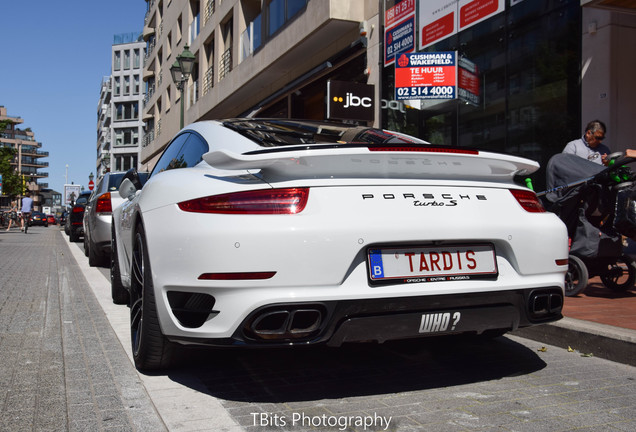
[282, 132]
[114, 180]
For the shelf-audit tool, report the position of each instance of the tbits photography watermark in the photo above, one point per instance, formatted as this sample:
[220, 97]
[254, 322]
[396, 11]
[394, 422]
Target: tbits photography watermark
[324, 422]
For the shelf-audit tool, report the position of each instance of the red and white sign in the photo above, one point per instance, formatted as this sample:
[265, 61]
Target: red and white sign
[439, 19]
[399, 28]
[91, 185]
[427, 75]
[396, 13]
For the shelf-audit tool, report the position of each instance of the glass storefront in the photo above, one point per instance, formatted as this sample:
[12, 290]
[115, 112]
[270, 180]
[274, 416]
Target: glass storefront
[528, 58]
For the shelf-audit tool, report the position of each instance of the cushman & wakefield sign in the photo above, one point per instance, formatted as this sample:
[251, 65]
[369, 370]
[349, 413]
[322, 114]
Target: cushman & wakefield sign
[350, 101]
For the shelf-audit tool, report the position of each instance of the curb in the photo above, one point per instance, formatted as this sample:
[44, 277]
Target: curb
[600, 340]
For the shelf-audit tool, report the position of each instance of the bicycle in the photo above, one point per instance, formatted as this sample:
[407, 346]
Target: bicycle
[26, 216]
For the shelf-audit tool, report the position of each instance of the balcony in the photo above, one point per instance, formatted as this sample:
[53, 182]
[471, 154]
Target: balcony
[208, 80]
[225, 64]
[208, 11]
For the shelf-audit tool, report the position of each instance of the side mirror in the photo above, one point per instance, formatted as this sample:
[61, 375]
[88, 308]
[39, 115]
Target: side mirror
[127, 189]
[134, 177]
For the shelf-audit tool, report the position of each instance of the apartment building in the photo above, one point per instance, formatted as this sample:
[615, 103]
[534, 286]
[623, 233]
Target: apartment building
[269, 58]
[120, 127]
[28, 160]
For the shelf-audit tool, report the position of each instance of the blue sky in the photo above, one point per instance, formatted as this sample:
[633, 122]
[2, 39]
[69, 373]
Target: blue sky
[54, 56]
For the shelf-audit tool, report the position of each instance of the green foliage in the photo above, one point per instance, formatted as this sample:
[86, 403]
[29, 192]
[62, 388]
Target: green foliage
[11, 181]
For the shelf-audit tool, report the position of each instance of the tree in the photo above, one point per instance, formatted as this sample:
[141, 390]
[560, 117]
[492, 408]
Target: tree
[11, 181]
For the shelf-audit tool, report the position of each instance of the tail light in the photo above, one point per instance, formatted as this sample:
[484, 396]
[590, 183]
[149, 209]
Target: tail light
[103, 204]
[528, 200]
[78, 209]
[269, 201]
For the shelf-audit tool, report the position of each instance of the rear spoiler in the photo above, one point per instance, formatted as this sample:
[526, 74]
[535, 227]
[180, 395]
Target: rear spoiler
[409, 162]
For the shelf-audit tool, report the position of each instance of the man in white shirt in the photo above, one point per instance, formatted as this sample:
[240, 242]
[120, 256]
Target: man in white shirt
[590, 145]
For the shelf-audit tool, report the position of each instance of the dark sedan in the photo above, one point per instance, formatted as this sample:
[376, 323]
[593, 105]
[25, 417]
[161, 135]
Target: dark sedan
[38, 218]
[75, 220]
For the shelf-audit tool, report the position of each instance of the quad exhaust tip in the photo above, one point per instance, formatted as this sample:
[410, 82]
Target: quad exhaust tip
[545, 304]
[286, 323]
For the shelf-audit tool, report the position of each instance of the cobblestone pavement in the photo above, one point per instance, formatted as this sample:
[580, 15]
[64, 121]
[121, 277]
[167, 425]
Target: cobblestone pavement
[506, 384]
[64, 366]
[61, 364]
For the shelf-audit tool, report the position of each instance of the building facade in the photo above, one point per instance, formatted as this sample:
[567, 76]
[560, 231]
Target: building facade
[120, 128]
[261, 58]
[28, 161]
[543, 69]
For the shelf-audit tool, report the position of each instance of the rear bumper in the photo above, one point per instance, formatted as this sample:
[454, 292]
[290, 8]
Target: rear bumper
[337, 322]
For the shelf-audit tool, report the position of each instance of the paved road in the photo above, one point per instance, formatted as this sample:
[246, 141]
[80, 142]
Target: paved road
[64, 365]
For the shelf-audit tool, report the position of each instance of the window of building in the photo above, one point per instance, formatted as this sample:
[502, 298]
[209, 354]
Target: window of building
[194, 25]
[136, 84]
[126, 59]
[126, 137]
[126, 85]
[126, 111]
[117, 61]
[124, 162]
[281, 11]
[276, 14]
[136, 58]
[117, 89]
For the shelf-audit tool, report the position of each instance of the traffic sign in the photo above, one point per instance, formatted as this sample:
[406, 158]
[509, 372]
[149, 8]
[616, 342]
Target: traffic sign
[91, 185]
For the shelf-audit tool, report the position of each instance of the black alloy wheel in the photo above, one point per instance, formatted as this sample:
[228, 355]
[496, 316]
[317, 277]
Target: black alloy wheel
[151, 349]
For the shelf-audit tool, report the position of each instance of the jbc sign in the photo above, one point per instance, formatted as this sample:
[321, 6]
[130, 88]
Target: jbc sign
[350, 101]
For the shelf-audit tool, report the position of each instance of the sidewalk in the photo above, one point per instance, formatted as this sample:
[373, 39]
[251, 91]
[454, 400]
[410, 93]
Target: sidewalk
[604, 306]
[61, 364]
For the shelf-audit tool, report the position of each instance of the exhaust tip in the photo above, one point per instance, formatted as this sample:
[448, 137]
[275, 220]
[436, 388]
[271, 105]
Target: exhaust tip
[545, 304]
[285, 322]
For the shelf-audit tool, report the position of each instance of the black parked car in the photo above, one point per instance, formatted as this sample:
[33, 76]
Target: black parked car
[38, 218]
[74, 226]
[63, 217]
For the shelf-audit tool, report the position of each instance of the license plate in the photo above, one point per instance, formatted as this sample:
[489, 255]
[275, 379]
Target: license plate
[432, 263]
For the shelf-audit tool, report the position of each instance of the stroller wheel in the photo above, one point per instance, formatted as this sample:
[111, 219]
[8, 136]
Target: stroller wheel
[621, 275]
[577, 276]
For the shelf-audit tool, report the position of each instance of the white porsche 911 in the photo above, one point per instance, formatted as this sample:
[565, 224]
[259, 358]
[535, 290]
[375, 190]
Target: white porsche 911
[254, 232]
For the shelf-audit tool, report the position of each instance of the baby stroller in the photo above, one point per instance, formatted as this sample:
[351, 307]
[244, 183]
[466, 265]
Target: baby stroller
[598, 206]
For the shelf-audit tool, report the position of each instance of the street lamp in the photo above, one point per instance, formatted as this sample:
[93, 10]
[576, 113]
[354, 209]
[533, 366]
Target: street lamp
[181, 71]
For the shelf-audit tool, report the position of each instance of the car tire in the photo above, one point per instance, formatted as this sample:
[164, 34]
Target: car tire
[94, 259]
[117, 291]
[576, 277]
[73, 235]
[151, 349]
[86, 249]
